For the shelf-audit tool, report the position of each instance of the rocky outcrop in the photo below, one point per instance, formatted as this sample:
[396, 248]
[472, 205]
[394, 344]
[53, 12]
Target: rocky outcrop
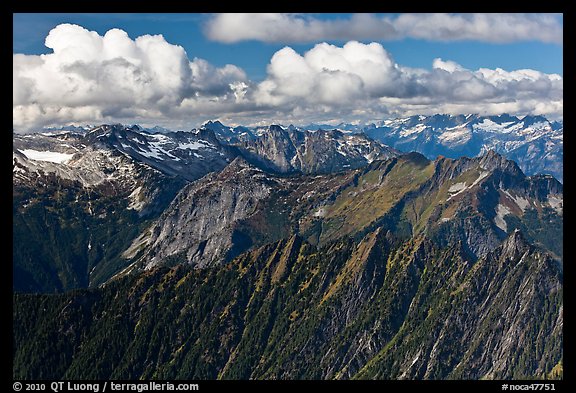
[403, 269]
[199, 227]
[288, 150]
[189, 155]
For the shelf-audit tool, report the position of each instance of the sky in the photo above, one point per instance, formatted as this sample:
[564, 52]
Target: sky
[180, 70]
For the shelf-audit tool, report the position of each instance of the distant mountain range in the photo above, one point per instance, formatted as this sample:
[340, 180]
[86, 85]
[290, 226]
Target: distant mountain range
[534, 142]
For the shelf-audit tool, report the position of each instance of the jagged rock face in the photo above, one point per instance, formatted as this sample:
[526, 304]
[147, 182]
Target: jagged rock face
[189, 155]
[274, 148]
[478, 201]
[377, 308]
[122, 177]
[201, 224]
[472, 202]
[229, 135]
[288, 150]
[92, 156]
[489, 324]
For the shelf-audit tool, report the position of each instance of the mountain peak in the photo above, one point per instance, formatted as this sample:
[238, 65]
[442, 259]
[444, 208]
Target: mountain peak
[102, 131]
[217, 123]
[534, 142]
[236, 165]
[416, 158]
[503, 118]
[530, 120]
[216, 127]
[492, 160]
[208, 134]
[276, 127]
[514, 245]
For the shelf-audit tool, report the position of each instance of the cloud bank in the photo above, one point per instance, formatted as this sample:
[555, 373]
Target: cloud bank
[299, 28]
[91, 78]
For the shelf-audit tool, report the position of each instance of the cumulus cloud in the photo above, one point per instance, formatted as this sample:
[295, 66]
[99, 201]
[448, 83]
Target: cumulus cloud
[364, 78]
[91, 78]
[95, 77]
[498, 28]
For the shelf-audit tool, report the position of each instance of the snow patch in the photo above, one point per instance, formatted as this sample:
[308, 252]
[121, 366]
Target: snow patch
[501, 211]
[156, 151]
[370, 157]
[480, 177]
[50, 156]
[488, 125]
[414, 130]
[522, 203]
[160, 138]
[200, 144]
[136, 203]
[17, 169]
[320, 213]
[455, 136]
[556, 202]
[340, 151]
[457, 187]
[129, 147]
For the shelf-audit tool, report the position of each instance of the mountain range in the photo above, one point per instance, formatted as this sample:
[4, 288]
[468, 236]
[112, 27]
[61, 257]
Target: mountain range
[283, 253]
[534, 142]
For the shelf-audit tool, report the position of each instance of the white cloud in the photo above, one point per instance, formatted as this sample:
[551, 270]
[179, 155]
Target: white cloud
[364, 78]
[278, 27]
[112, 78]
[499, 28]
[94, 78]
[328, 74]
[449, 66]
[285, 28]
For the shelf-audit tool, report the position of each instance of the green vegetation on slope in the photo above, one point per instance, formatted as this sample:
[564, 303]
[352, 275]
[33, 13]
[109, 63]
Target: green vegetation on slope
[379, 308]
[377, 190]
[66, 236]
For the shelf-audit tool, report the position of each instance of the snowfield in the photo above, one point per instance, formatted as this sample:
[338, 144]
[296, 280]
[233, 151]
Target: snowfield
[50, 156]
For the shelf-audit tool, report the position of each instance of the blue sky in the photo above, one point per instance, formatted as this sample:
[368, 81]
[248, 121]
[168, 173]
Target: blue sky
[413, 59]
